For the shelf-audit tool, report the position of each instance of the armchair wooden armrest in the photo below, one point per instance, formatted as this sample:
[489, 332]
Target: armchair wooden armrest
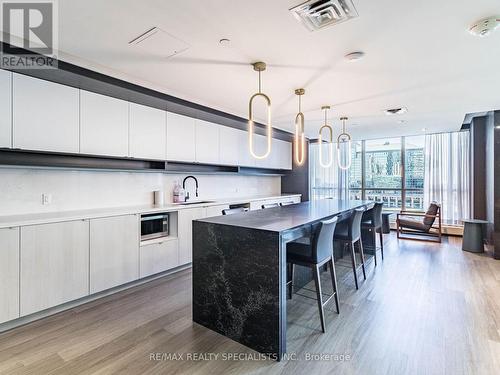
[416, 214]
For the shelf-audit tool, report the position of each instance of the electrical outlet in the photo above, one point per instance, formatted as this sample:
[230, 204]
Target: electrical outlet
[46, 198]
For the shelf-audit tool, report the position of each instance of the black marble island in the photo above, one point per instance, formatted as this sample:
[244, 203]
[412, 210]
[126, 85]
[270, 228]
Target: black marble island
[239, 270]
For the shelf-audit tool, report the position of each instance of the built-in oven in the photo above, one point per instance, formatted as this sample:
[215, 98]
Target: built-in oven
[154, 226]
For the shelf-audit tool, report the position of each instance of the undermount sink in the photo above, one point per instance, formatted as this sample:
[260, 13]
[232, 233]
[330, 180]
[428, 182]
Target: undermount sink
[194, 202]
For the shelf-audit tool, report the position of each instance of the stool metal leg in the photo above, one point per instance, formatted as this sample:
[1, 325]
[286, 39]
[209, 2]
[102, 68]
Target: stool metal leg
[361, 252]
[374, 246]
[381, 243]
[353, 260]
[334, 284]
[317, 281]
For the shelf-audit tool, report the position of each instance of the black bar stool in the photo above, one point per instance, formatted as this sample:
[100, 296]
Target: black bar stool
[348, 232]
[372, 220]
[315, 254]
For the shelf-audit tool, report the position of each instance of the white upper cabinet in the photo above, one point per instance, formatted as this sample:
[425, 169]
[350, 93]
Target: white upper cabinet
[103, 125]
[245, 158]
[148, 132]
[260, 148]
[5, 108]
[229, 145]
[282, 154]
[45, 115]
[180, 138]
[207, 142]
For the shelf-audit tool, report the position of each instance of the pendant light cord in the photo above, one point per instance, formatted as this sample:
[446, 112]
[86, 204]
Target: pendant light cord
[260, 84]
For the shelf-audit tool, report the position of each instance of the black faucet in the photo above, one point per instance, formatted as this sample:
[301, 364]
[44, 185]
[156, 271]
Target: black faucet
[184, 187]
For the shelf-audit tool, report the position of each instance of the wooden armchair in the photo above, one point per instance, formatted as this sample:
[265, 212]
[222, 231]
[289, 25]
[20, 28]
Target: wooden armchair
[422, 229]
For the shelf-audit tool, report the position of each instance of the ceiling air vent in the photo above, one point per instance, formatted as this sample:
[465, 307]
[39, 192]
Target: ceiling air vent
[317, 14]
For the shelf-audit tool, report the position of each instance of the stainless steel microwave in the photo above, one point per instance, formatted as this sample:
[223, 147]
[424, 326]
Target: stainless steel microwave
[154, 226]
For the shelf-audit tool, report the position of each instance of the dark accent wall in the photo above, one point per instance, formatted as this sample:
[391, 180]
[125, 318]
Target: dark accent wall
[478, 175]
[494, 196]
[486, 174]
[297, 180]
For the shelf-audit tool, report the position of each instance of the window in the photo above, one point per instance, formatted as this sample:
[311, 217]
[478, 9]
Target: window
[414, 172]
[396, 172]
[383, 163]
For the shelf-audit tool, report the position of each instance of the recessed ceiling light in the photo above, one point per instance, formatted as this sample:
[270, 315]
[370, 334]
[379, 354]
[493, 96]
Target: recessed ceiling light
[485, 26]
[396, 111]
[355, 56]
[224, 41]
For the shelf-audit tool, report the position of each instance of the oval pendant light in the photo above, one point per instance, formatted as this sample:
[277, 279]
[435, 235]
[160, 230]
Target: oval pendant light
[259, 67]
[344, 138]
[329, 143]
[299, 140]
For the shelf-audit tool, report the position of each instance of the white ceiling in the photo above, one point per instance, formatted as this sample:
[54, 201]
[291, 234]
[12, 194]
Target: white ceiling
[418, 55]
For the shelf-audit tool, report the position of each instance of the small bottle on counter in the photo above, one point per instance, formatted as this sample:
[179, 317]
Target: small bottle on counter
[179, 193]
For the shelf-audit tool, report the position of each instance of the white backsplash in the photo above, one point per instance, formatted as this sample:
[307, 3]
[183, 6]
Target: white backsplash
[21, 189]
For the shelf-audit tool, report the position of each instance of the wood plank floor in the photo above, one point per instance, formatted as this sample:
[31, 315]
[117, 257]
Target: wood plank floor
[427, 309]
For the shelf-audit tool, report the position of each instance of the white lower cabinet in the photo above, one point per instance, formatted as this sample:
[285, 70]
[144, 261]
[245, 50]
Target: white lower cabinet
[257, 205]
[216, 210]
[158, 257]
[114, 251]
[54, 264]
[9, 274]
[185, 232]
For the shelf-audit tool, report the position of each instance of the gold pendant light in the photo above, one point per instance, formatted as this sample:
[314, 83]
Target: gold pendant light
[344, 138]
[299, 140]
[329, 143]
[259, 67]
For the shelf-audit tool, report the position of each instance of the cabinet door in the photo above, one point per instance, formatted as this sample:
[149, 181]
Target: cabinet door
[185, 229]
[260, 149]
[45, 115]
[148, 132]
[229, 145]
[216, 210]
[54, 264]
[207, 142]
[245, 158]
[103, 125]
[9, 274]
[158, 257]
[180, 138]
[114, 251]
[5, 108]
[281, 155]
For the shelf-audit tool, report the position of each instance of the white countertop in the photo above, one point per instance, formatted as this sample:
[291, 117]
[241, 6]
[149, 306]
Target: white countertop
[55, 217]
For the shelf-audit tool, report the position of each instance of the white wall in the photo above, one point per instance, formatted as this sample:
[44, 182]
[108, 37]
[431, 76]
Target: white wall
[21, 189]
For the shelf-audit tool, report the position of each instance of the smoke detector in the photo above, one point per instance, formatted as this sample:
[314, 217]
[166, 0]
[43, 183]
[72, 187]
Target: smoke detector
[317, 14]
[485, 26]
